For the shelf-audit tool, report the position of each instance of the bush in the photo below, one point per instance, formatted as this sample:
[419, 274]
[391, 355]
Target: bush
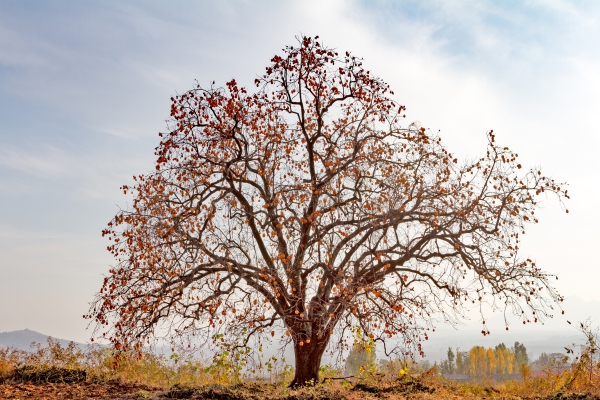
[41, 374]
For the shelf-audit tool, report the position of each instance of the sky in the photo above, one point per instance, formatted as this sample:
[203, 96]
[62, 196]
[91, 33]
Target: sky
[85, 89]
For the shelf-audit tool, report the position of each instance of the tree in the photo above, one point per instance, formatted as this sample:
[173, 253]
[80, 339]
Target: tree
[304, 208]
[521, 356]
[501, 358]
[462, 362]
[478, 362]
[362, 356]
[491, 361]
[450, 361]
[551, 360]
[447, 366]
[360, 361]
[444, 368]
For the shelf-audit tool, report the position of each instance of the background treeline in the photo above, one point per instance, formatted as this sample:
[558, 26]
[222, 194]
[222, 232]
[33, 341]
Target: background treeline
[482, 362]
[478, 362]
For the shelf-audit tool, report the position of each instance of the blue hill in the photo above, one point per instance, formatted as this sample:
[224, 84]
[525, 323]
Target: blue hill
[24, 338]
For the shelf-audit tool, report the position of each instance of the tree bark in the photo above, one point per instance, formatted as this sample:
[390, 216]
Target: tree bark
[308, 361]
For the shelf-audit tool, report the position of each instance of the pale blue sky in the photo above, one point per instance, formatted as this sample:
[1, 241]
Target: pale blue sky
[85, 88]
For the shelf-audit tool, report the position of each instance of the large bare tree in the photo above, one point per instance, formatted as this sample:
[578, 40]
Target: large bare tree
[307, 207]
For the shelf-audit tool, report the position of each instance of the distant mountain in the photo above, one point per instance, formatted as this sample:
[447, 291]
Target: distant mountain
[24, 338]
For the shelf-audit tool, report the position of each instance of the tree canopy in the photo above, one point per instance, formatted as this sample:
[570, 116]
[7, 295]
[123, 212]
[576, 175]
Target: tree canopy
[306, 207]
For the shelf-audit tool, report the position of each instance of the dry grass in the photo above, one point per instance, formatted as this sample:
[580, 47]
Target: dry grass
[70, 373]
[54, 363]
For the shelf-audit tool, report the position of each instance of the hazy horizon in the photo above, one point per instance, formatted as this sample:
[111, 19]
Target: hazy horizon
[552, 336]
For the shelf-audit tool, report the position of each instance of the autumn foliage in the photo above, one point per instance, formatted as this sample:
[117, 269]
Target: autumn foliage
[305, 207]
[480, 362]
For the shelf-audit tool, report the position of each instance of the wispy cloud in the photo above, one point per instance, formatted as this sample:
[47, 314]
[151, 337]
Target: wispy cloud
[51, 163]
[17, 51]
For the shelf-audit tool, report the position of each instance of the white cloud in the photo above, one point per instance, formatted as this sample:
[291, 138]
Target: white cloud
[51, 164]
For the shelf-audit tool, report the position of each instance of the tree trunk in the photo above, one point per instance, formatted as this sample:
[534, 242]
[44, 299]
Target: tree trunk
[308, 361]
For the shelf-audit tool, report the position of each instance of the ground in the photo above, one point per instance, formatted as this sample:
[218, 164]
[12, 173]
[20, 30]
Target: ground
[82, 390]
[89, 390]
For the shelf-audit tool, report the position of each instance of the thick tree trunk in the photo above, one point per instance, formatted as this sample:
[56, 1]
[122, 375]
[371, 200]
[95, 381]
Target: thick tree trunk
[308, 361]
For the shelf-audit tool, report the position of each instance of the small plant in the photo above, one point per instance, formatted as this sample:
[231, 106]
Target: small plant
[585, 370]
[361, 361]
[329, 372]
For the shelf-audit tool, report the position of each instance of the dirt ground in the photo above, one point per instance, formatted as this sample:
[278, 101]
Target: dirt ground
[89, 390]
[75, 391]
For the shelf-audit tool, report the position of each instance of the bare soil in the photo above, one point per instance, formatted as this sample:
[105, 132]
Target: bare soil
[89, 390]
[81, 390]
[251, 391]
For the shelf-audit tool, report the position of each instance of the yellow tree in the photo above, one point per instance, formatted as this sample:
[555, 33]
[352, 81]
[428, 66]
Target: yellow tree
[478, 362]
[511, 367]
[491, 361]
[500, 361]
[305, 207]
